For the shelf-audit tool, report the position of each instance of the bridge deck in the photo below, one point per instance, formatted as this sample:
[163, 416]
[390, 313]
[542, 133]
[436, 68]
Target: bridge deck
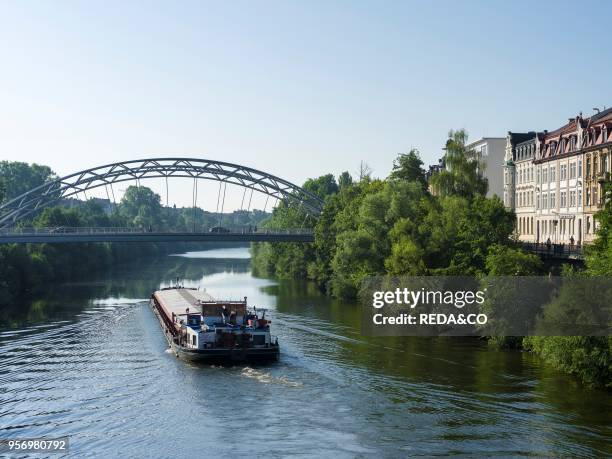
[107, 235]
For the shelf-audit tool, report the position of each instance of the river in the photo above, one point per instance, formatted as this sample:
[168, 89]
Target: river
[89, 361]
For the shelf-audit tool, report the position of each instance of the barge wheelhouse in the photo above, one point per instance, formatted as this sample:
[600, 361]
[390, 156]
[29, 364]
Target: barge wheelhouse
[200, 328]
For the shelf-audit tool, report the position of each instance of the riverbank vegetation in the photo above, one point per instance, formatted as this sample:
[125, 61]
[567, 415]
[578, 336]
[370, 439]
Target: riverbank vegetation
[411, 224]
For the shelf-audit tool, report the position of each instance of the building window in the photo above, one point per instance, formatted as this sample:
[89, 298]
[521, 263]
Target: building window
[545, 175]
[588, 224]
[573, 144]
[572, 170]
[579, 168]
[572, 198]
[588, 167]
[553, 204]
[563, 171]
[552, 174]
[538, 176]
[563, 199]
[579, 202]
[588, 196]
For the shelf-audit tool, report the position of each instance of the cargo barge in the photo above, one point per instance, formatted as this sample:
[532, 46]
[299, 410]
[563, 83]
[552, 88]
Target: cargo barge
[200, 328]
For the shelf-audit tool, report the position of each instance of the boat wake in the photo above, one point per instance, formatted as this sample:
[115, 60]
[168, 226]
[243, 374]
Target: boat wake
[267, 378]
[117, 301]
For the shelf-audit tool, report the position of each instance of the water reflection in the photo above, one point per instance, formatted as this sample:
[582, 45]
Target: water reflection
[131, 281]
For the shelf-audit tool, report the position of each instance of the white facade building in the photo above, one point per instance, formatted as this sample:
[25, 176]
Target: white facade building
[491, 151]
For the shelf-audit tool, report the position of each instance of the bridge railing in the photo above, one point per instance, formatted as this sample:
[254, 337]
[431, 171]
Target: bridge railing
[131, 230]
[555, 250]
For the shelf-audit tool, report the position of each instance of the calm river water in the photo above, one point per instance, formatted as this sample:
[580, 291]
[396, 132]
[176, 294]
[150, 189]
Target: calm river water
[89, 361]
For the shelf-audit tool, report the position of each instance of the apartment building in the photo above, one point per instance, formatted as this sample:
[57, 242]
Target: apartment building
[555, 181]
[490, 151]
[558, 170]
[519, 181]
[596, 145]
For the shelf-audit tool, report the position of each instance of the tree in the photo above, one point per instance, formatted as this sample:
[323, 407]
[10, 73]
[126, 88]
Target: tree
[93, 214]
[53, 217]
[344, 180]
[322, 186]
[599, 255]
[507, 261]
[364, 172]
[463, 174]
[141, 207]
[409, 167]
[18, 177]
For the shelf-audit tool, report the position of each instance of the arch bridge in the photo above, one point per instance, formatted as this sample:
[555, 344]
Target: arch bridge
[16, 210]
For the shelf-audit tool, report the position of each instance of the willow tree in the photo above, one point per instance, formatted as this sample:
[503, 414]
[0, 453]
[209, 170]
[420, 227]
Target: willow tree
[463, 174]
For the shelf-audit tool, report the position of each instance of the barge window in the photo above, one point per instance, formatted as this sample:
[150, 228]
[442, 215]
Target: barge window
[194, 340]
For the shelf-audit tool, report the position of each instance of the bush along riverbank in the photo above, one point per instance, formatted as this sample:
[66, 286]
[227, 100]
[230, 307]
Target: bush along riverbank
[408, 225]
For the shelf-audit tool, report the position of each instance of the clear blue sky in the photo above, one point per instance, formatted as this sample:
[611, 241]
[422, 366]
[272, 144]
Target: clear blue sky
[294, 88]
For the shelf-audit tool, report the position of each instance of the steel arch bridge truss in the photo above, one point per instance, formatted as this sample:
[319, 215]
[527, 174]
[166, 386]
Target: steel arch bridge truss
[105, 176]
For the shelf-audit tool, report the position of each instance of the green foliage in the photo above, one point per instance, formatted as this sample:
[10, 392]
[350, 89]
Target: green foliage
[463, 174]
[599, 255]
[409, 167]
[505, 342]
[587, 357]
[503, 260]
[140, 207]
[345, 180]
[18, 177]
[53, 217]
[322, 186]
[462, 232]
[289, 260]
[376, 227]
